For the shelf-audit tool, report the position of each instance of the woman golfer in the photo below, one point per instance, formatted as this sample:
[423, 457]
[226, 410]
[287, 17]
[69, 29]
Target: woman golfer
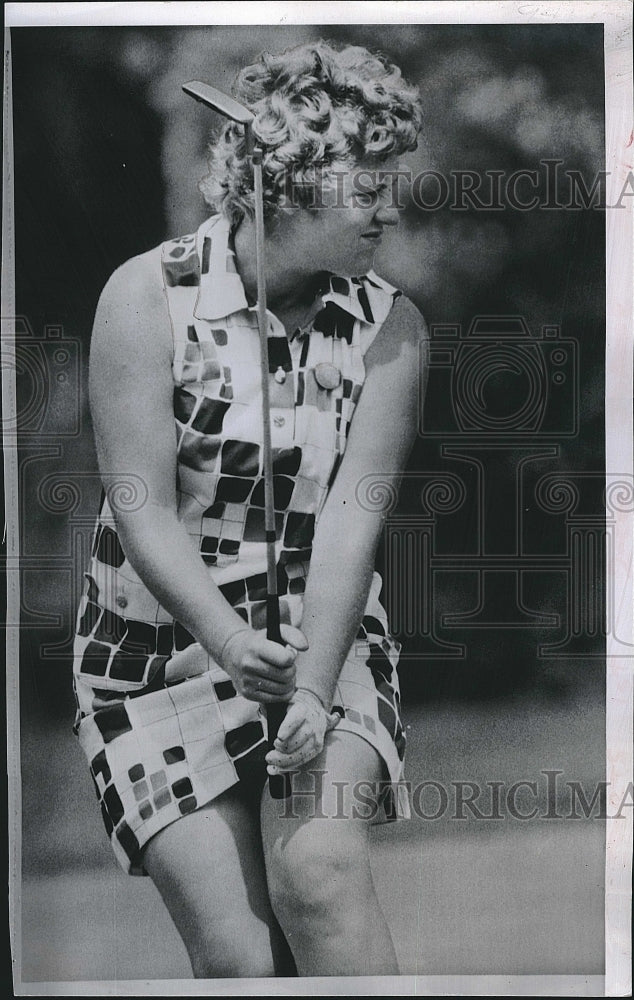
[173, 669]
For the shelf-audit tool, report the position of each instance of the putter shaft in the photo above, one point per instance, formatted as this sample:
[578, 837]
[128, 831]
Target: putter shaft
[279, 785]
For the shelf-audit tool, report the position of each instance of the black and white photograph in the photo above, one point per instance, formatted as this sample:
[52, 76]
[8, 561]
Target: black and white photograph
[319, 499]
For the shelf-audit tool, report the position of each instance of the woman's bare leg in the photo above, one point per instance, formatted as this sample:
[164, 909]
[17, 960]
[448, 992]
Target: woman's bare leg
[318, 868]
[209, 869]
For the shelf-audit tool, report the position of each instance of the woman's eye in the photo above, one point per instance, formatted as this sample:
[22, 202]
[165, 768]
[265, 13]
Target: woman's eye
[366, 199]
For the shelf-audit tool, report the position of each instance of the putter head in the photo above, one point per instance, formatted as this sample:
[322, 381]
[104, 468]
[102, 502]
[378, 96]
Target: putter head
[224, 105]
[220, 102]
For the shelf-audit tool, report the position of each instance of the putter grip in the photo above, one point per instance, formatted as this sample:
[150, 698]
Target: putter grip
[279, 784]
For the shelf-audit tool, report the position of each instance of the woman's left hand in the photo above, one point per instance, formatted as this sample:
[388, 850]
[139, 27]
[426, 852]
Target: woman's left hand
[302, 733]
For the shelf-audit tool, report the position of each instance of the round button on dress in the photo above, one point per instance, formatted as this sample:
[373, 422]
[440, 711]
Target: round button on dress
[328, 376]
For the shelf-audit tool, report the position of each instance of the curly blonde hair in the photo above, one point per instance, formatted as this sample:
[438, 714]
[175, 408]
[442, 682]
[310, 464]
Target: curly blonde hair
[317, 109]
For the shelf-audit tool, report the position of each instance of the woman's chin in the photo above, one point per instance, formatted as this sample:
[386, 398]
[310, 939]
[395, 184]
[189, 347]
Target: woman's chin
[357, 268]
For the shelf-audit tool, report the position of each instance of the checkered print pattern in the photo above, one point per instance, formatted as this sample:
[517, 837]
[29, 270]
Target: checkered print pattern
[158, 719]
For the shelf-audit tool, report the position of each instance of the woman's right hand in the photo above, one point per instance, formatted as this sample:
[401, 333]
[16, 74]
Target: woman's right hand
[262, 670]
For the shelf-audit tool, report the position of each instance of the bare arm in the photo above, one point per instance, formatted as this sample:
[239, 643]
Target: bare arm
[344, 548]
[131, 395]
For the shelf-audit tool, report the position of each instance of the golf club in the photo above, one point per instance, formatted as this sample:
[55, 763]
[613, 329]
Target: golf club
[279, 785]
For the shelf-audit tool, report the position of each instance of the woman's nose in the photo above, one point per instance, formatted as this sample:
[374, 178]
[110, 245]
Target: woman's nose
[387, 215]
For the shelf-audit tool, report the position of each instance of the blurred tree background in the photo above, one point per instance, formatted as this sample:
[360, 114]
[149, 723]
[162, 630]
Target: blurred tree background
[108, 153]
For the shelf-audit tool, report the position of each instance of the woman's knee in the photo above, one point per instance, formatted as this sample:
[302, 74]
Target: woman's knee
[314, 877]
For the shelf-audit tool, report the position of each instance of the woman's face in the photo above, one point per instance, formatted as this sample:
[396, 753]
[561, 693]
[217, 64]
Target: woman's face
[344, 231]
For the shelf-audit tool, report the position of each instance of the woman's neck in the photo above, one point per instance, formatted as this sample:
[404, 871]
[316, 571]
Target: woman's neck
[292, 287]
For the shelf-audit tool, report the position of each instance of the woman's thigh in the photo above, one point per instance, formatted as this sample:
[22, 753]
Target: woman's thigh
[209, 868]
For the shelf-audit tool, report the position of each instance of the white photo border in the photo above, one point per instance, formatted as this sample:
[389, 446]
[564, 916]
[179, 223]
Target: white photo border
[616, 16]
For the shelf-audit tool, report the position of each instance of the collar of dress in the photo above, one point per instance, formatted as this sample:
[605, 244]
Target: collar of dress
[220, 298]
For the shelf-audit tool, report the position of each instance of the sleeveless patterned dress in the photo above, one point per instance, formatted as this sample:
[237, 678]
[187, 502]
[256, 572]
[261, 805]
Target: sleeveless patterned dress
[160, 722]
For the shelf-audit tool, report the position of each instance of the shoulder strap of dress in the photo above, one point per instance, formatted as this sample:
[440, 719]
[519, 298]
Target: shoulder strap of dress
[381, 297]
[181, 271]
